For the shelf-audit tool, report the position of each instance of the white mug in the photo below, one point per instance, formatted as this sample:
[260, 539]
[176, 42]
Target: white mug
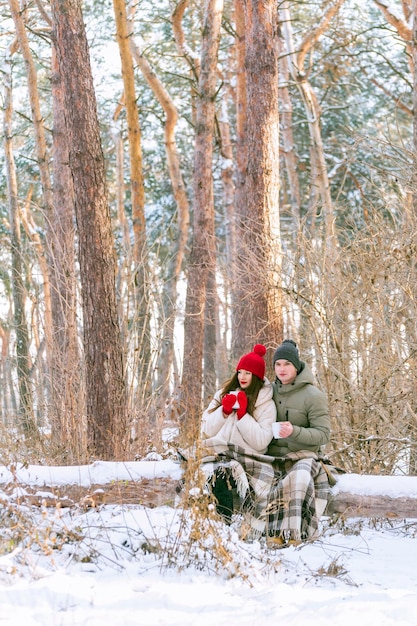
[276, 429]
[236, 404]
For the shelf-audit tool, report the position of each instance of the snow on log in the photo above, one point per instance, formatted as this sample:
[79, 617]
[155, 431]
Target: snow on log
[154, 481]
[356, 495]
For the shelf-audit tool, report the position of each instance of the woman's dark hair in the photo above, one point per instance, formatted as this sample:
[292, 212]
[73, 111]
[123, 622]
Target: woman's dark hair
[252, 391]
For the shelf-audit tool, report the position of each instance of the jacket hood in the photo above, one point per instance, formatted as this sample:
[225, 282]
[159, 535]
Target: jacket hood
[265, 393]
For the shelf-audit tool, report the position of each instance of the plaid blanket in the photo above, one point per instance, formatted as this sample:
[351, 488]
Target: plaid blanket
[253, 474]
[279, 496]
[297, 499]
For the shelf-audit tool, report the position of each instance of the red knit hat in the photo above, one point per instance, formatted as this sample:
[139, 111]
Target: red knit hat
[253, 362]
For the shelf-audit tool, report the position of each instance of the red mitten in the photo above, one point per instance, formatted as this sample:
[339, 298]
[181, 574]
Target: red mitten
[227, 403]
[242, 398]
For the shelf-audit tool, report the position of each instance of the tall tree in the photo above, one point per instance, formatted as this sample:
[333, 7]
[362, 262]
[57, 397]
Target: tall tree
[42, 155]
[202, 256]
[223, 306]
[67, 380]
[174, 266]
[104, 359]
[300, 74]
[20, 322]
[140, 253]
[65, 402]
[258, 309]
[288, 142]
[241, 163]
[407, 30]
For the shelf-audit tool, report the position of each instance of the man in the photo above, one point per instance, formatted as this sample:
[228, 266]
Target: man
[300, 491]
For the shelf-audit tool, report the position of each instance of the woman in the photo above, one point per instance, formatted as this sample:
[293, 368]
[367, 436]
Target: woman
[236, 427]
[300, 491]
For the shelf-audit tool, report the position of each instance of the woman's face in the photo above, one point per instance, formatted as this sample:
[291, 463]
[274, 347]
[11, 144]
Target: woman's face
[285, 371]
[245, 378]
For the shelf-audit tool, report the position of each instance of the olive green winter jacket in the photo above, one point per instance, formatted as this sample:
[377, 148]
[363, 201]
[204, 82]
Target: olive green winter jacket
[305, 406]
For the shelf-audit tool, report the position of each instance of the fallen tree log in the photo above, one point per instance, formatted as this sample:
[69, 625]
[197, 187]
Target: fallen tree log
[352, 505]
[356, 495]
[146, 492]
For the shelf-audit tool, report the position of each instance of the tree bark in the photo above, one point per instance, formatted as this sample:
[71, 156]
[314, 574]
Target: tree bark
[211, 319]
[67, 376]
[202, 256]
[65, 399]
[26, 415]
[185, 51]
[174, 266]
[239, 343]
[222, 368]
[123, 273]
[407, 31]
[258, 309]
[413, 46]
[104, 359]
[8, 408]
[42, 155]
[288, 143]
[296, 60]
[140, 252]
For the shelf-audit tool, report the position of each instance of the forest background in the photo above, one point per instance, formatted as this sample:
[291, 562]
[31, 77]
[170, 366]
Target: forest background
[183, 179]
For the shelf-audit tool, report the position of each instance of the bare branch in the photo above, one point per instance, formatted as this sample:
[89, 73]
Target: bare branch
[314, 35]
[400, 25]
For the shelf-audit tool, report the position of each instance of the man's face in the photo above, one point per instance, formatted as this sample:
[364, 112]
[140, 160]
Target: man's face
[285, 371]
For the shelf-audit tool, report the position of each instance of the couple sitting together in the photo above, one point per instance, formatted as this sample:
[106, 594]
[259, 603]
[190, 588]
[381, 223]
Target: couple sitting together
[262, 441]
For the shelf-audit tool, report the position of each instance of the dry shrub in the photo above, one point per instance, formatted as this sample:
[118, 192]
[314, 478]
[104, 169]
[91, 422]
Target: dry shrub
[203, 541]
[355, 308]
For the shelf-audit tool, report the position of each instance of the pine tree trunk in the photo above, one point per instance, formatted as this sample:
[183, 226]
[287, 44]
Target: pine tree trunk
[210, 336]
[289, 153]
[239, 343]
[258, 309]
[140, 252]
[202, 256]
[222, 359]
[296, 60]
[67, 380]
[172, 271]
[104, 360]
[26, 415]
[414, 77]
[42, 156]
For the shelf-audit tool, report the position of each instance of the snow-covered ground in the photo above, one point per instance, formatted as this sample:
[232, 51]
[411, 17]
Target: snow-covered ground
[131, 565]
